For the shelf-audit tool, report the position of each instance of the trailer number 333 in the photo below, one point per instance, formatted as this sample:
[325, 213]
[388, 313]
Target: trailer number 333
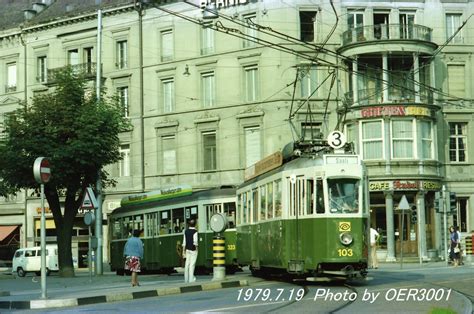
[345, 252]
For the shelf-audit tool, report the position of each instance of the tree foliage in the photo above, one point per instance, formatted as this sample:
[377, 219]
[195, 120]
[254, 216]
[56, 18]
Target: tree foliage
[77, 133]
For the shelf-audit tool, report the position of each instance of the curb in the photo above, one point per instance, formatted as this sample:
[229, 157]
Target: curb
[125, 296]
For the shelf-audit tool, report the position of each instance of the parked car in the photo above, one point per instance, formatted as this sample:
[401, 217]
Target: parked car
[29, 260]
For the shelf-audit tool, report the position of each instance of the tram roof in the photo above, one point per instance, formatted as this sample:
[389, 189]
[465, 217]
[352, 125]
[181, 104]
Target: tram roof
[195, 196]
[300, 162]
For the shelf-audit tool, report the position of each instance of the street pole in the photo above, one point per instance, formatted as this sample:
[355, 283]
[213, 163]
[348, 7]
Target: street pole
[445, 212]
[401, 238]
[43, 246]
[98, 218]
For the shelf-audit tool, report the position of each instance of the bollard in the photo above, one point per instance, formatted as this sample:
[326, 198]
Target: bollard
[218, 255]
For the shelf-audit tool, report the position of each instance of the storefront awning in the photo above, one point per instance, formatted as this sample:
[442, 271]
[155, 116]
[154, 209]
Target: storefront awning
[5, 231]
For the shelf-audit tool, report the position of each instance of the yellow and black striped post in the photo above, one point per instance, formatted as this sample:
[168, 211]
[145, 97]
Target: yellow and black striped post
[469, 245]
[218, 254]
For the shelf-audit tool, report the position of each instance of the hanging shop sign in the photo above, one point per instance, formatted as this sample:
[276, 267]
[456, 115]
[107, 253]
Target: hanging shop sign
[404, 185]
[384, 111]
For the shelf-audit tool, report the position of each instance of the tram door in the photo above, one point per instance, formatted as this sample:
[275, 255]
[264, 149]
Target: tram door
[409, 234]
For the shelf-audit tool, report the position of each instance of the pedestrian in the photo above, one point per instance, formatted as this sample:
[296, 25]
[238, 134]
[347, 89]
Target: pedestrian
[455, 250]
[374, 236]
[459, 245]
[133, 252]
[190, 251]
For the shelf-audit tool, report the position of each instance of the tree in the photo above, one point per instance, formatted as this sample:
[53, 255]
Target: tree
[78, 134]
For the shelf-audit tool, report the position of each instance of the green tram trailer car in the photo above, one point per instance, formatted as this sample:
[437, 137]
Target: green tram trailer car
[162, 216]
[308, 218]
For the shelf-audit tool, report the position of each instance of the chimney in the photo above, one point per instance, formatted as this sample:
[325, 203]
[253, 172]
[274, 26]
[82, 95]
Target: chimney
[39, 6]
[29, 14]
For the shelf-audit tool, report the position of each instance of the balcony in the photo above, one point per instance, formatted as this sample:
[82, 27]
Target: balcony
[89, 70]
[396, 95]
[386, 32]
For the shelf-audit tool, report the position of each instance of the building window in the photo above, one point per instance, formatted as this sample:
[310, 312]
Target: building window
[209, 150]
[208, 84]
[124, 164]
[460, 218]
[168, 95]
[169, 154]
[251, 83]
[372, 140]
[453, 22]
[311, 131]
[250, 31]
[167, 45]
[355, 22]
[122, 54]
[41, 69]
[402, 138]
[73, 57]
[307, 22]
[308, 76]
[207, 39]
[88, 59]
[407, 22]
[123, 99]
[426, 140]
[456, 80]
[11, 77]
[457, 141]
[252, 145]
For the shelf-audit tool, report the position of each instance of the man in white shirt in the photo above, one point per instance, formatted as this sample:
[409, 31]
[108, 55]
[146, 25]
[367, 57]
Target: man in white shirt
[374, 236]
[190, 251]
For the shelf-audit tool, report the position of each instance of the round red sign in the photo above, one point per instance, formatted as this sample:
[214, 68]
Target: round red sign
[42, 170]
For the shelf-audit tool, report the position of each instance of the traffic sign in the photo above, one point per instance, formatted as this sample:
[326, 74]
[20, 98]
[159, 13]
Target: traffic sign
[42, 170]
[336, 139]
[89, 201]
[403, 203]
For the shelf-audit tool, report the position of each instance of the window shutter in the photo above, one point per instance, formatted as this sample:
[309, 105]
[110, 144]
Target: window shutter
[252, 146]
[456, 80]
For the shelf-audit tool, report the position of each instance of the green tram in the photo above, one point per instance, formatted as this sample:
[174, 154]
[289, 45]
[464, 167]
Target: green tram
[307, 217]
[161, 216]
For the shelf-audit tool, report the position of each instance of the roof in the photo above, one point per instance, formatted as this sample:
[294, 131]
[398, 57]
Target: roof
[12, 11]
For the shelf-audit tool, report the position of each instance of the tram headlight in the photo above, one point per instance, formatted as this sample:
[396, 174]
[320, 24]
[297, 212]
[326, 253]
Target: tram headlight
[346, 238]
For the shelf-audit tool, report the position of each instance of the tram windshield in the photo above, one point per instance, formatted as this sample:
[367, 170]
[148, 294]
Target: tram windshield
[343, 195]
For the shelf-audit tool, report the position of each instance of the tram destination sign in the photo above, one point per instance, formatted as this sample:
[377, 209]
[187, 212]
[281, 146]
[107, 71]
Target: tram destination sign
[266, 164]
[156, 195]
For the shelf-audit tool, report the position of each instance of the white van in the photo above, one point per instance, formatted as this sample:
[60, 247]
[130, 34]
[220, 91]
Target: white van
[29, 260]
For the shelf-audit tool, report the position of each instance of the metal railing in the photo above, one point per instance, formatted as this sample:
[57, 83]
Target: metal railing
[88, 69]
[386, 32]
[396, 94]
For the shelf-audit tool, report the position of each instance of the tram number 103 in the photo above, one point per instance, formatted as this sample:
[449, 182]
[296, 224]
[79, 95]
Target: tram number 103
[345, 252]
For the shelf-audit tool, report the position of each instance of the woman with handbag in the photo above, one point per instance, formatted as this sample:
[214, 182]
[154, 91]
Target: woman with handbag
[455, 246]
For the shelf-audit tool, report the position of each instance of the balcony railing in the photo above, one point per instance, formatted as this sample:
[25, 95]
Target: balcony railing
[386, 32]
[374, 96]
[89, 70]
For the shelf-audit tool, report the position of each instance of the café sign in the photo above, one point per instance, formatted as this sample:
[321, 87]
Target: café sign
[384, 111]
[404, 185]
[221, 3]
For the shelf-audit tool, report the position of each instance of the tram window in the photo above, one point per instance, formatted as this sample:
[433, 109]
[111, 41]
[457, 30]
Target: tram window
[263, 203]
[138, 223]
[245, 206]
[310, 197]
[127, 227]
[165, 222]
[277, 198]
[152, 225]
[343, 195]
[239, 208]
[117, 229]
[255, 205]
[178, 220]
[320, 208]
[270, 200]
[300, 194]
[191, 213]
[229, 210]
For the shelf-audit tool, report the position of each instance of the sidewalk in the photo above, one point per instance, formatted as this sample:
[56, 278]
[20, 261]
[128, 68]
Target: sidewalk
[25, 293]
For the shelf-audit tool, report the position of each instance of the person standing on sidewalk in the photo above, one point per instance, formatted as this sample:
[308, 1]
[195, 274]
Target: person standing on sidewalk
[190, 251]
[374, 236]
[454, 246]
[133, 252]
